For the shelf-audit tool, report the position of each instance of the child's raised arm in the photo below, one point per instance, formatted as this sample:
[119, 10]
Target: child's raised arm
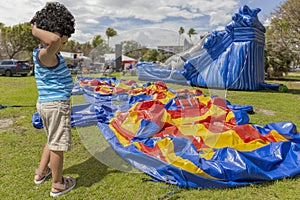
[53, 41]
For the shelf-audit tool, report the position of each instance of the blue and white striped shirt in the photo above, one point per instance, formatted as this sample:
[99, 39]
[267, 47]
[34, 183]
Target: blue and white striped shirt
[53, 83]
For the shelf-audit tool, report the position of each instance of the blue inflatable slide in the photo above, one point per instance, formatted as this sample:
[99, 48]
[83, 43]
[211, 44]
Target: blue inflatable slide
[229, 59]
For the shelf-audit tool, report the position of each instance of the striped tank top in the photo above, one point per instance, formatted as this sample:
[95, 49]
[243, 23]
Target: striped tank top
[53, 83]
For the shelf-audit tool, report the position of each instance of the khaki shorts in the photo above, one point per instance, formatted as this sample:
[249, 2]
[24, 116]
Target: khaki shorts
[56, 118]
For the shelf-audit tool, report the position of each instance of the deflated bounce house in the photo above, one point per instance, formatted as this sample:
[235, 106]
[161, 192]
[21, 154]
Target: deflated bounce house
[229, 59]
[184, 137]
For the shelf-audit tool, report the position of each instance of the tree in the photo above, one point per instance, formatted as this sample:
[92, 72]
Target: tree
[110, 32]
[180, 32]
[283, 37]
[192, 32]
[162, 56]
[86, 48]
[151, 55]
[97, 52]
[97, 40]
[132, 49]
[17, 39]
[72, 46]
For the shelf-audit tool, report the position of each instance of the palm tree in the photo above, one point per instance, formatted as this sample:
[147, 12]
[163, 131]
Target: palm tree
[181, 31]
[192, 32]
[110, 32]
[97, 40]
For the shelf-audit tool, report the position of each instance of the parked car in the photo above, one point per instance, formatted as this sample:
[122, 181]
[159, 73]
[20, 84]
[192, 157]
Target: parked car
[294, 68]
[14, 67]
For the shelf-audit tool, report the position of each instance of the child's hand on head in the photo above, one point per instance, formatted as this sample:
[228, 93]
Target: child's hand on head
[33, 25]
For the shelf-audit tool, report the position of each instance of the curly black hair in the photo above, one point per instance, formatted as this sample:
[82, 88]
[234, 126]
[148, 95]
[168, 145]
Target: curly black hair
[55, 17]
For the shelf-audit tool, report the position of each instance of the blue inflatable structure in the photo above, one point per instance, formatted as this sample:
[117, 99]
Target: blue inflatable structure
[152, 72]
[229, 59]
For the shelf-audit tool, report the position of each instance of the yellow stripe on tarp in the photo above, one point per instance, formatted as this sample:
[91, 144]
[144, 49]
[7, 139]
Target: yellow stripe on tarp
[232, 140]
[229, 116]
[213, 111]
[131, 123]
[204, 99]
[167, 149]
[220, 140]
[105, 87]
[123, 86]
[278, 137]
[164, 100]
[170, 94]
[166, 117]
[198, 130]
[121, 139]
[138, 146]
[207, 153]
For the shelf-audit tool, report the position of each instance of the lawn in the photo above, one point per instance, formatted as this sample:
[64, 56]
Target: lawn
[21, 146]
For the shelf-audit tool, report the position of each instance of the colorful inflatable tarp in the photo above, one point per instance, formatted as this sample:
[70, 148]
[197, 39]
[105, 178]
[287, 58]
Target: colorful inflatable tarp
[184, 137]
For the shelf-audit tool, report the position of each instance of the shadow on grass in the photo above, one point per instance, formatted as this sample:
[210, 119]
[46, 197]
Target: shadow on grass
[289, 78]
[294, 91]
[273, 182]
[90, 172]
[293, 84]
[264, 184]
[291, 91]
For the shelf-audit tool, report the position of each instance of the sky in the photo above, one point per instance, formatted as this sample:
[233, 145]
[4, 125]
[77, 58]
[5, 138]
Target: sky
[151, 23]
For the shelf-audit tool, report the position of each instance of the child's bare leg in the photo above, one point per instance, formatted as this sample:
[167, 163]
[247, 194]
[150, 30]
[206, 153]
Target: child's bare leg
[56, 162]
[44, 162]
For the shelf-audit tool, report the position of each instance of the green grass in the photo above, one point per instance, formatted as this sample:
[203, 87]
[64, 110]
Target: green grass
[21, 145]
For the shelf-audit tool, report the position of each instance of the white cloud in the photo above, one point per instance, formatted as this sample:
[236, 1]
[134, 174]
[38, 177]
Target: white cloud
[83, 37]
[148, 36]
[91, 21]
[135, 16]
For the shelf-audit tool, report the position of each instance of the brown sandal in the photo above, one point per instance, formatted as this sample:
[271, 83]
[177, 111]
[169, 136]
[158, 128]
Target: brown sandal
[68, 184]
[43, 174]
